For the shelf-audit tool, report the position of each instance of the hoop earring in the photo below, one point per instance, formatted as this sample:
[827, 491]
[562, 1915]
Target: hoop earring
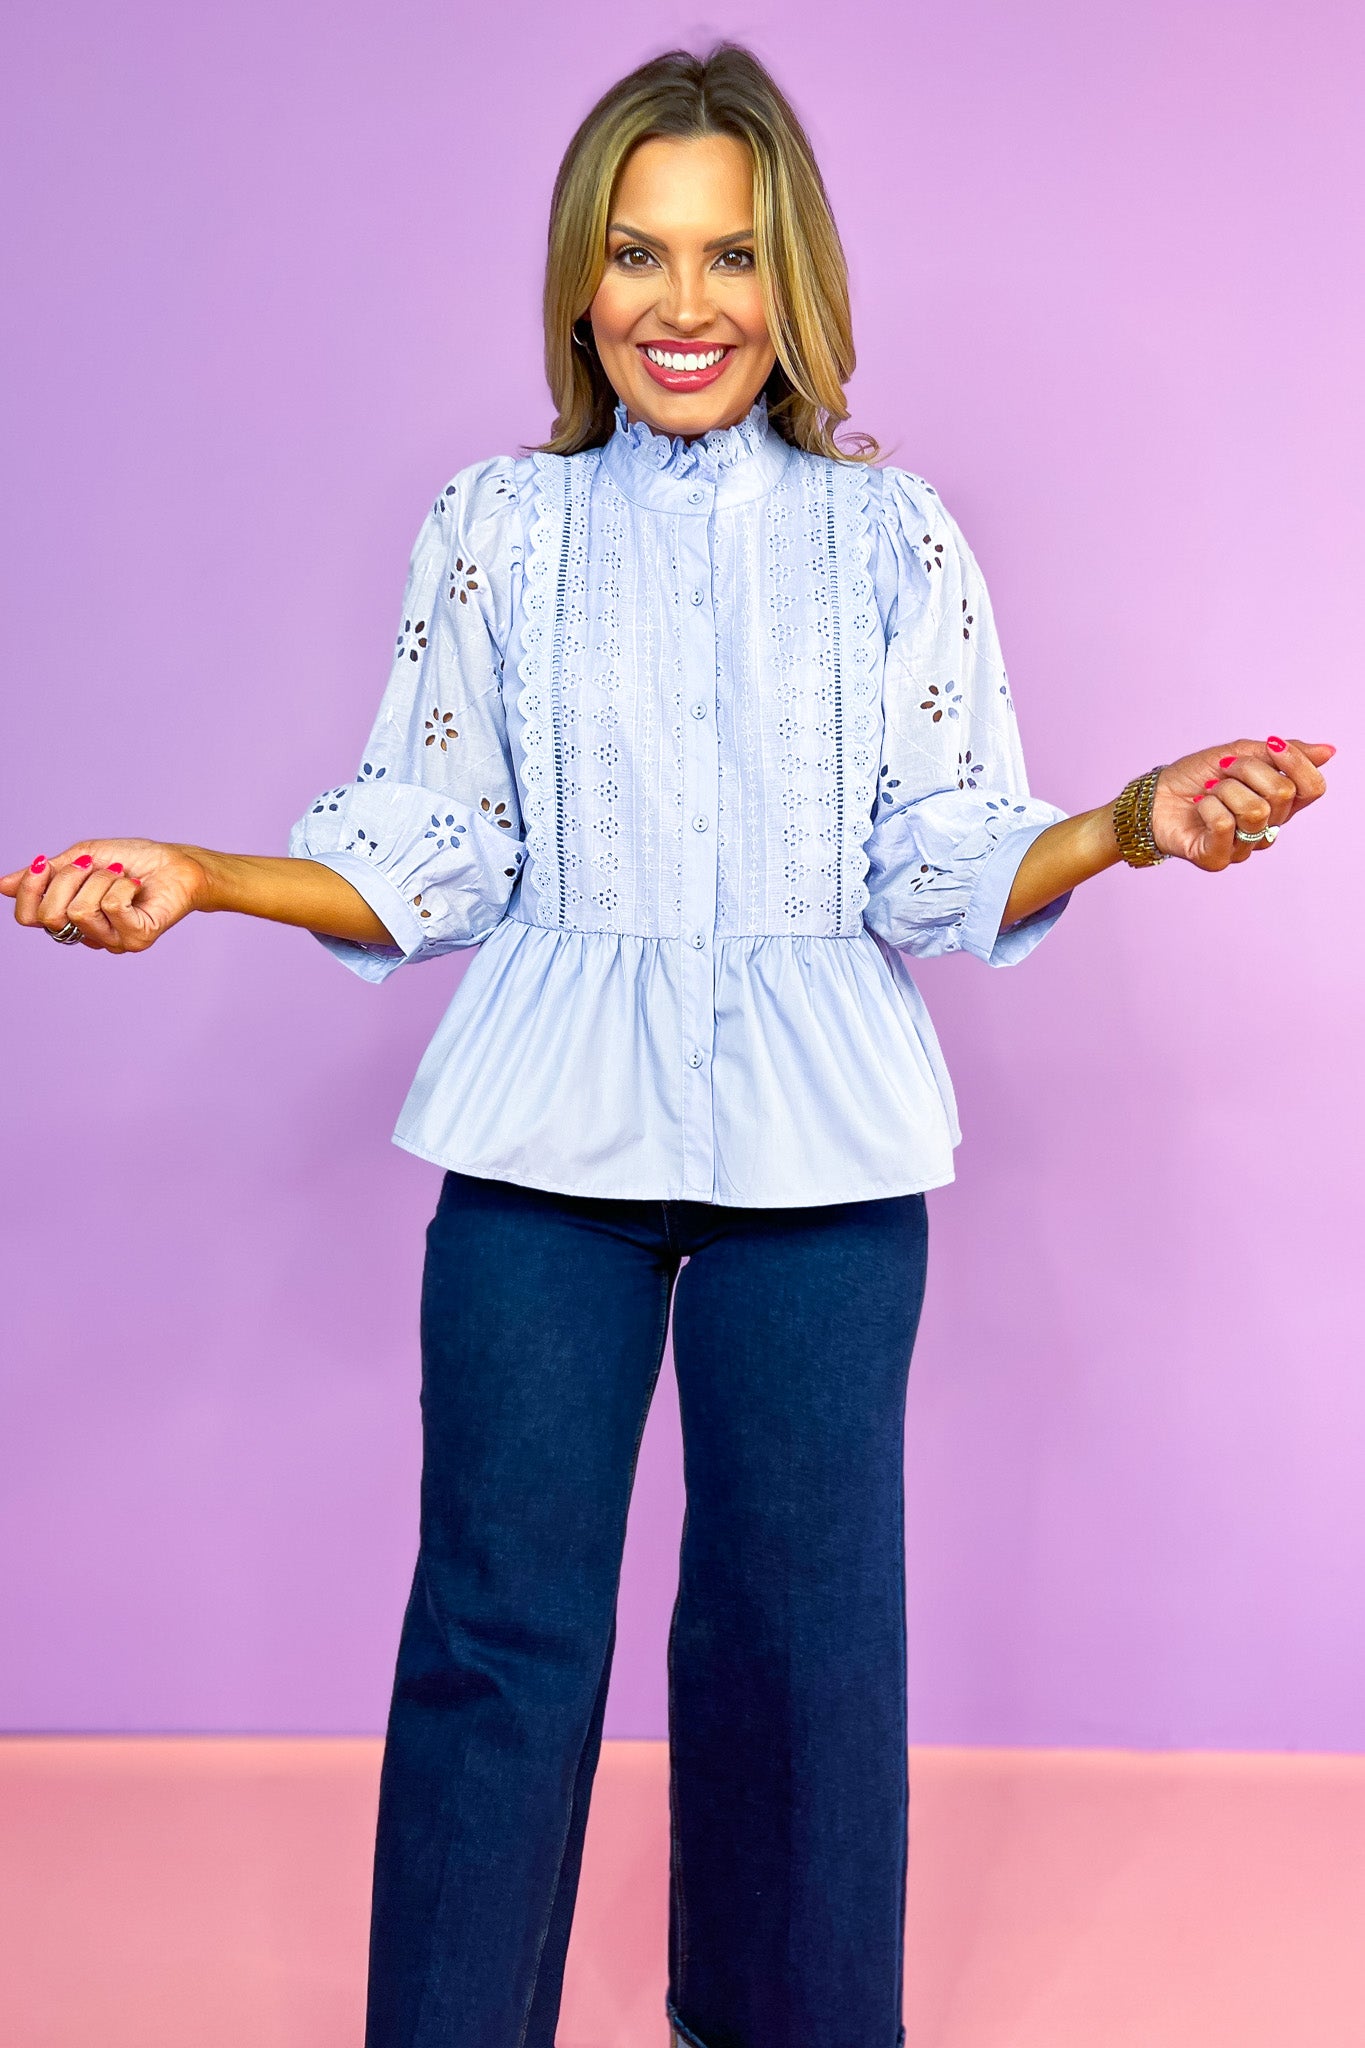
[584, 341]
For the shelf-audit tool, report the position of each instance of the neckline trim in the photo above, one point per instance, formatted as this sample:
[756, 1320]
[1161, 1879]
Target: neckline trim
[722, 468]
[706, 456]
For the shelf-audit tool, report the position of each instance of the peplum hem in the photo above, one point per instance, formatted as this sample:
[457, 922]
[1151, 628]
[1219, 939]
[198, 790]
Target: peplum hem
[563, 1062]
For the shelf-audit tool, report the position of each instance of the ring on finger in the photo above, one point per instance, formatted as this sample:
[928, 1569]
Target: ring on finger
[68, 935]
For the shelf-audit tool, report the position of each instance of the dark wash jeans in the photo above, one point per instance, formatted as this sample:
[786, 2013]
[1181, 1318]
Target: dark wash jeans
[543, 1323]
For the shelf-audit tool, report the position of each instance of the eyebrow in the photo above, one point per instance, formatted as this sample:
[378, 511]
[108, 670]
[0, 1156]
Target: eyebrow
[619, 227]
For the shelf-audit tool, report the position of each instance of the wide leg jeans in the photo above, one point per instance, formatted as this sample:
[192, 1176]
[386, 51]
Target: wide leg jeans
[543, 1324]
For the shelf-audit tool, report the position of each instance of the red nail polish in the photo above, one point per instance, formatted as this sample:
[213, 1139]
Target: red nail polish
[82, 860]
[136, 881]
[116, 867]
[1227, 760]
[1212, 782]
[36, 867]
[1276, 745]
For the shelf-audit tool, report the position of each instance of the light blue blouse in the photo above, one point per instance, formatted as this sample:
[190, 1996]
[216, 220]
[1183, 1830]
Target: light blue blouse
[693, 741]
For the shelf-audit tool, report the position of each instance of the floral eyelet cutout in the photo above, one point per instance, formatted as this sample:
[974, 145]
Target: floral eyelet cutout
[968, 622]
[440, 727]
[942, 700]
[967, 770]
[445, 830]
[934, 558]
[494, 813]
[411, 640]
[462, 579]
[1003, 812]
[330, 800]
[418, 907]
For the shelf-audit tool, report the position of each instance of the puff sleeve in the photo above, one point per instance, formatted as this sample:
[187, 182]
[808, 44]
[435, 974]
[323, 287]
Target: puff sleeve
[953, 817]
[429, 831]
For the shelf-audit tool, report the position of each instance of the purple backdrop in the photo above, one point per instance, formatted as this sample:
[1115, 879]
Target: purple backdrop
[274, 277]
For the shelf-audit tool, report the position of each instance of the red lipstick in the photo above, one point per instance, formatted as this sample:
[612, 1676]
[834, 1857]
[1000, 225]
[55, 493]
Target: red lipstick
[685, 380]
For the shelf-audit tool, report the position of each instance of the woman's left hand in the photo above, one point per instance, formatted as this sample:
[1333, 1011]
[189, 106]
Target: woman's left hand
[1254, 786]
[1202, 802]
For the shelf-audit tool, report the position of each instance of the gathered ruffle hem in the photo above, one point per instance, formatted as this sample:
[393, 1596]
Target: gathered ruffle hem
[821, 1051]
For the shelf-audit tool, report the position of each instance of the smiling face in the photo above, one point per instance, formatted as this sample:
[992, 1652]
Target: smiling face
[678, 317]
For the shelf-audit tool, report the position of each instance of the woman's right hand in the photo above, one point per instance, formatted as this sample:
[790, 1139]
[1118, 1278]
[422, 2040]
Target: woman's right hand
[121, 894]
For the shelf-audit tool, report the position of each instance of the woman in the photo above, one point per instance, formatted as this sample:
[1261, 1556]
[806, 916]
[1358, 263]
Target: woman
[696, 724]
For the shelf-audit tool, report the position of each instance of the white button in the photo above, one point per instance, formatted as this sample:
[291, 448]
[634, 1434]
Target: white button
[699, 710]
[699, 938]
[696, 497]
[699, 824]
[694, 1059]
[696, 597]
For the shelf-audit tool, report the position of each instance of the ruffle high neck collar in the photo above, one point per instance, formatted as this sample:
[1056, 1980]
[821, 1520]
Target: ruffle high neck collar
[719, 470]
[707, 458]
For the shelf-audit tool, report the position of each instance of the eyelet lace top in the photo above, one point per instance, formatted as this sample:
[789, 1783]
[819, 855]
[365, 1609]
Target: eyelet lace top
[694, 742]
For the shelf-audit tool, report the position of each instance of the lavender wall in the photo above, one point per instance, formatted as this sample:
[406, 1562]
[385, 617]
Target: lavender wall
[274, 276]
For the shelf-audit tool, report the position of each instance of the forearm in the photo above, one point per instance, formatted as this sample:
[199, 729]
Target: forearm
[1067, 853]
[286, 891]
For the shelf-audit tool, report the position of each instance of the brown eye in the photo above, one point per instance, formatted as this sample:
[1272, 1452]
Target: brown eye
[743, 259]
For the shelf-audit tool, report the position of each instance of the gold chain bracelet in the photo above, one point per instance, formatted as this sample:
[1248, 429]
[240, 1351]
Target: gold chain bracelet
[1133, 821]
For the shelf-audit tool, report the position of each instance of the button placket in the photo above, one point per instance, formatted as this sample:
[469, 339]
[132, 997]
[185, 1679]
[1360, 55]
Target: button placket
[701, 779]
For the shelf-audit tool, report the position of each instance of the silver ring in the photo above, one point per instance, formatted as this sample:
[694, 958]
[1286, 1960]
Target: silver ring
[68, 935]
[1253, 838]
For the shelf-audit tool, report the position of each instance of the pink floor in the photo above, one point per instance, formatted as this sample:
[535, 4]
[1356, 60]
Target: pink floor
[212, 1894]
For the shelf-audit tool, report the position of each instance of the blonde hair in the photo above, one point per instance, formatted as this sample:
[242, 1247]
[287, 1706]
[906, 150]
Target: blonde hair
[800, 259]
